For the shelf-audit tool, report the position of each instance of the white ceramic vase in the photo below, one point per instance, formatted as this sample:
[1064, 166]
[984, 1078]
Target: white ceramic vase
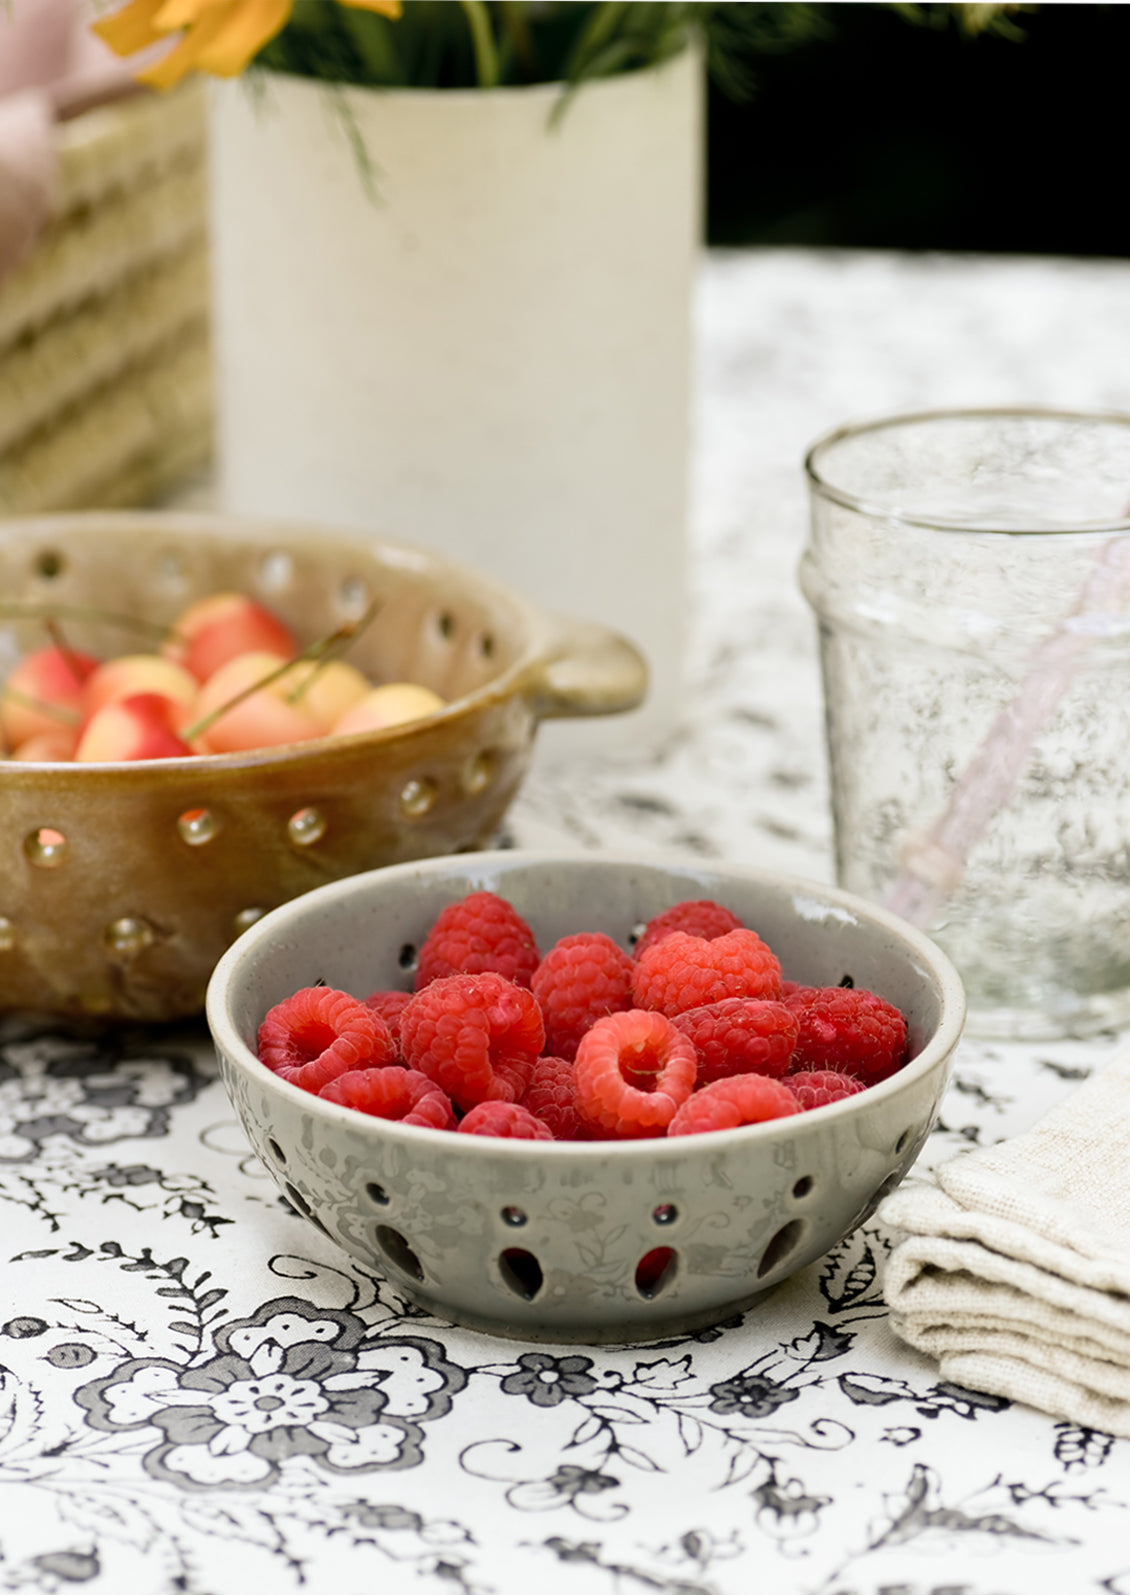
[491, 356]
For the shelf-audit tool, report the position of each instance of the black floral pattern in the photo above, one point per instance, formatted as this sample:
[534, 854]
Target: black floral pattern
[548, 1381]
[186, 1364]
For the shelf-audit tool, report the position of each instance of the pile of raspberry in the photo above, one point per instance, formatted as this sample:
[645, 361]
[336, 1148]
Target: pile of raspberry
[696, 1029]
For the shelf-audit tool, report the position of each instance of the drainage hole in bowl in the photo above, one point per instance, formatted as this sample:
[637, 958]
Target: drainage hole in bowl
[782, 1245]
[49, 564]
[276, 1151]
[398, 1252]
[352, 598]
[521, 1272]
[408, 955]
[276, 571]
[655, 1271]
[377, 1193]
[45, 848]
[803, 1187]
[306, 826]
[665, 1213]
[169, 571]
[417, 796]
[445, 624]
[478, 773]
[197, 826]
[297, 1201]
[903, 1141]
[486, 645]
[514, 1217]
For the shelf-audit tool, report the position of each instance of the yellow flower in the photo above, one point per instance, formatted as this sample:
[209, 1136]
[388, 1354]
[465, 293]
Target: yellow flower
[217, 36]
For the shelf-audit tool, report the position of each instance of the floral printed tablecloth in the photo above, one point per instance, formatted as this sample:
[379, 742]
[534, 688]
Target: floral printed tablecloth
[200, 1394]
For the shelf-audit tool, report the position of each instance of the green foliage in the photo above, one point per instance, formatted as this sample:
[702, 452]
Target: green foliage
[484, 43]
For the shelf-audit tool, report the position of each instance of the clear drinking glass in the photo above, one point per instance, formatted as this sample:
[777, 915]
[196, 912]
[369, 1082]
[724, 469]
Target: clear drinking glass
[970, 572]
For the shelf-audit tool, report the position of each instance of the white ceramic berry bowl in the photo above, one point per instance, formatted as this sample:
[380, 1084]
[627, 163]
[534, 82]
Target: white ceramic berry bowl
[543, 1240]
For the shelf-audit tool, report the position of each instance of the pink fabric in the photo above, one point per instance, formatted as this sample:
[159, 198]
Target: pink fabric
[51, 67]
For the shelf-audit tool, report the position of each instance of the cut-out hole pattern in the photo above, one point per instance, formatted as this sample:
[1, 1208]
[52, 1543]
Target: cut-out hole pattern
[655, 1271]
[445, 624]
[49, 564]
[903, 1141]
[513, 1216]
[417, 796]
[398, 1252]
[478, 773]
[352, 598]
[377, 1193]
[276, 1151]
[128, 936]
[297, 1200]
[45, 848]
[197, 826]
[306, 826]
[486, 645]
[521, 1272]
[169, 570]
[407, 956]
[665, 1213]
[276, 571]
[781, 1247]
[803, 1186]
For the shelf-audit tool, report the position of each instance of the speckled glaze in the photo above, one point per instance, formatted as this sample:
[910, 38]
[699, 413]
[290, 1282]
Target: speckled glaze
[541, 1241]
[128, 918]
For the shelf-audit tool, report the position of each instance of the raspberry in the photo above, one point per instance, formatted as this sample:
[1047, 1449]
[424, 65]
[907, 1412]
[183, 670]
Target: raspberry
[579, 980]
[853, 1031]
[392, 1093]
[725, 1104]
[476, 1036]
[480, 933]
[552, 1097]
[740, 1035]
[390, 1005]
[815, 1088]
[632, 1071]
[318, 1033]
[682, 971]
[509, 1119]
[699, 918]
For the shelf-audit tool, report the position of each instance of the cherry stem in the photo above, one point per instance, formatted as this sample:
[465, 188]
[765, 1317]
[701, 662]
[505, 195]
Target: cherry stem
[320, 652]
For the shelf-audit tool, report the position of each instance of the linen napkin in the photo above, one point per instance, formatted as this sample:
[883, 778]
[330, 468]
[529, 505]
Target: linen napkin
[1014, 1268]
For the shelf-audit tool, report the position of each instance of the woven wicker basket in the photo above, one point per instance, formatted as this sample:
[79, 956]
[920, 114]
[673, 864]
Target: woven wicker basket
[105, 381]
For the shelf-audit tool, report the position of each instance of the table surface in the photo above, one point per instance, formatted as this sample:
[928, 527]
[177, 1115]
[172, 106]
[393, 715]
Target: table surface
[177, 1343]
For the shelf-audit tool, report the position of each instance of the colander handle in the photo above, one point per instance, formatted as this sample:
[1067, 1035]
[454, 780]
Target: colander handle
[586, 670]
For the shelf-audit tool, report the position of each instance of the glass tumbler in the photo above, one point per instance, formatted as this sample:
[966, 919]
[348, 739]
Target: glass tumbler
[970, 572]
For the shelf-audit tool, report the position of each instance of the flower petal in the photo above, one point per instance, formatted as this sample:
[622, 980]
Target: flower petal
[229, 1441]
[246, 29]
[387, 8]
[130, 29]
[181, 60]
[267, 1358]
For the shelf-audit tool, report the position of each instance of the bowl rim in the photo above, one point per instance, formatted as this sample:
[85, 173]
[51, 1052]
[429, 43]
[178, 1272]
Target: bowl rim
[546, 629]
[937, 1053]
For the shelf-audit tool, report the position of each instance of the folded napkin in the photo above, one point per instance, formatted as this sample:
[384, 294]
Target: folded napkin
[1014, 1268]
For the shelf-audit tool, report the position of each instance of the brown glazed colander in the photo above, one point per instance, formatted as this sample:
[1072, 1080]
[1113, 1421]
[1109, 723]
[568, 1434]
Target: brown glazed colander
[123, 883]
